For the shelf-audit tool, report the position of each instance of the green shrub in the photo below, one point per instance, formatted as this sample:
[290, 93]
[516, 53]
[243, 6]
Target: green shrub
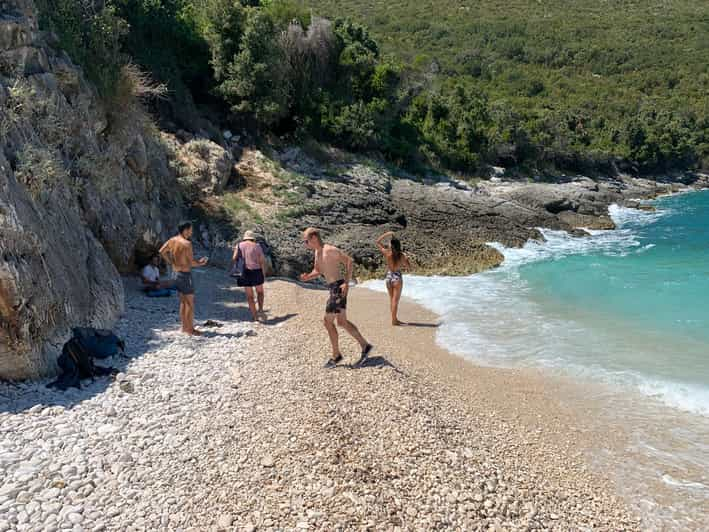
[90, 31]
[256, 81]
[223, 23]
[453, 126]
[165, 39]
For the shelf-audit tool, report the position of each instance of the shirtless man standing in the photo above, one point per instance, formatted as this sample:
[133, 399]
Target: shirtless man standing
[178, 253]
[328, 263]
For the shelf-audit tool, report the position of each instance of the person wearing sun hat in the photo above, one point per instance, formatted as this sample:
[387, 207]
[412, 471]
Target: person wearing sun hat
[253, 276]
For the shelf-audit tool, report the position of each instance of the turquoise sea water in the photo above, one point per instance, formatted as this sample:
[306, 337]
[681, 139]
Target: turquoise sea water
[627, 310]
[628, 307]
[643, 298]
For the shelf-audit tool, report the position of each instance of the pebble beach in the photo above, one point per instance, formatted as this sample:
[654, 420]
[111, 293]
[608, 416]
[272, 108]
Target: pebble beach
[242, 429]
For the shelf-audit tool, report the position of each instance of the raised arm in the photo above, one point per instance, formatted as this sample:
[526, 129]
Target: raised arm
[380, 241]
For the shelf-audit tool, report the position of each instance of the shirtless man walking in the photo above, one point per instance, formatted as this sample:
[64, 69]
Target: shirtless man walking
[178, 253]
[328, 263]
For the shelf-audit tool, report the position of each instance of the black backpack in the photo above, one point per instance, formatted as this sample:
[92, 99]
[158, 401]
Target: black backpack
[76, 363]
[77, 353]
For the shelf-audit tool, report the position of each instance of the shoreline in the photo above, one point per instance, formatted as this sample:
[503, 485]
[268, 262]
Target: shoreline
[521, 404]
[243, 429]
[626, 437]
[666, 483]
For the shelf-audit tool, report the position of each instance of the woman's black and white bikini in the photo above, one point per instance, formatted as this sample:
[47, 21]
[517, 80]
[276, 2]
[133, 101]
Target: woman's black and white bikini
[393, 277]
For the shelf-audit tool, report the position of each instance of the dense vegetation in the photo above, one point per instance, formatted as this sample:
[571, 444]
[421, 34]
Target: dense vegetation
[540, 86]
[568, 82]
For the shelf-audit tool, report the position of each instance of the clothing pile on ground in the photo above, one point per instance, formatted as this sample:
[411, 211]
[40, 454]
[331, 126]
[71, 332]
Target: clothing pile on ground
[78, 354]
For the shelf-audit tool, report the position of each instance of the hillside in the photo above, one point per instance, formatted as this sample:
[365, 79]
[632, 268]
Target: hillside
[540, 88]
[630, 78]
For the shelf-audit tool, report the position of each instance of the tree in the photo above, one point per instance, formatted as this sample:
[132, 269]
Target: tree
[223, 28]
[256, 80]
[453, 125]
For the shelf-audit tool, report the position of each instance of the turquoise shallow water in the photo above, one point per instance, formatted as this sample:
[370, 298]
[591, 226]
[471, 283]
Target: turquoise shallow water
[628, 307]
[647, 295]
[625, 310]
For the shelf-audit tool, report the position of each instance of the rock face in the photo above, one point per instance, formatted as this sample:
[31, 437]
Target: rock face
[203, 165]
[81, 195]
[580, 203]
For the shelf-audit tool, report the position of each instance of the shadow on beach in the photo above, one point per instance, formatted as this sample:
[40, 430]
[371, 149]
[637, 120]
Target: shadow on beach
[277, 320]
[378, 362]
[422, 325]
[147, 325]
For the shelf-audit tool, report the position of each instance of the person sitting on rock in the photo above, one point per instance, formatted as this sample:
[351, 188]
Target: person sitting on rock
[328, 262]
[178, 253]
[152, 285]
[396, 261]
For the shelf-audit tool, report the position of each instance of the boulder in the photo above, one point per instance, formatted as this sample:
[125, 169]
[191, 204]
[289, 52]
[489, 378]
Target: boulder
[585, 221]
[204, 166]
[582, 195]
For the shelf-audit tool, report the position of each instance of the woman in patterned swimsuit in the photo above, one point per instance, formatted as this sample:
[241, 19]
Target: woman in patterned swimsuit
[396, 261]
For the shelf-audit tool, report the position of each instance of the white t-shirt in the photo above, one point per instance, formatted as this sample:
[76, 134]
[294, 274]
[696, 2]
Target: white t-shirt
[151, 273]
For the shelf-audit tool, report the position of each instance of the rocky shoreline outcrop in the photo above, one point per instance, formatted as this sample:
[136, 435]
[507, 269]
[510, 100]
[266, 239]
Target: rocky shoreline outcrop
[445, 224]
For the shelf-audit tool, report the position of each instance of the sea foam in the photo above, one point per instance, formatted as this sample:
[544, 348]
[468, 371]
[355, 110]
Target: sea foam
[491, 319]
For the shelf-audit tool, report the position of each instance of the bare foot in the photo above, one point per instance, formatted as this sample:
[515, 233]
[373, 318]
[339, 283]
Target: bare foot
[193, 332]
[396, 323]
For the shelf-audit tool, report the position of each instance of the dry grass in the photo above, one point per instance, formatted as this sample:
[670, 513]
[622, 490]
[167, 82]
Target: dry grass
[126, 107]
[134, 88]
[40, 168]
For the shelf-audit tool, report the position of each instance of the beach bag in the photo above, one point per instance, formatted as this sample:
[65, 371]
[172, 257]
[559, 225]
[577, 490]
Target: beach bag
[239, 266]
[80, 356]
[75, 364]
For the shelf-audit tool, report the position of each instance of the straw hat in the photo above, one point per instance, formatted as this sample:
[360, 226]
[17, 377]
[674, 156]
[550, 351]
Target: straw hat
[249, 235]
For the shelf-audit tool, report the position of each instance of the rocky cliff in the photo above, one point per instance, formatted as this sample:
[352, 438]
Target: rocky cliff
[81, 193]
